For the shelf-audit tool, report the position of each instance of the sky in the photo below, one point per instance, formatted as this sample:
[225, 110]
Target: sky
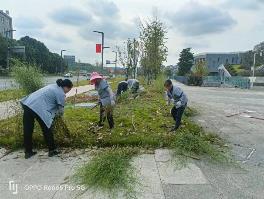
[203, 25]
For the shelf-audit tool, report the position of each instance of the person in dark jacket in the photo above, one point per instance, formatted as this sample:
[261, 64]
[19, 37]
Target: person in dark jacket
[176, 95]
[106, 99]
[43, 105]
[121, 88]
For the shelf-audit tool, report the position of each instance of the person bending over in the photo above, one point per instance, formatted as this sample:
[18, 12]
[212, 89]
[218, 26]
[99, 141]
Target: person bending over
[121, 88]
[178, 97]
[106, 99]
[43, 105]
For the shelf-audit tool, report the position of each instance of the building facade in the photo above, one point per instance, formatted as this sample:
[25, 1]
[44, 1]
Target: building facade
[69, 60]
[214, 60]
[6, 26]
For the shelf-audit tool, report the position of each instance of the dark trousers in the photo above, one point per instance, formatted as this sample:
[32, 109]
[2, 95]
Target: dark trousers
[177, 115]
[106, 112]
[29, 117]
[122, 87]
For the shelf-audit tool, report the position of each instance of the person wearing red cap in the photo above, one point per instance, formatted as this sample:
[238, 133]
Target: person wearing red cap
[106, 99]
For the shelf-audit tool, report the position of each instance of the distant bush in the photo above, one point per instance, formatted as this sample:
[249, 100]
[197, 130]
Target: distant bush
[194, 80]
[27, 76]
[158, 83]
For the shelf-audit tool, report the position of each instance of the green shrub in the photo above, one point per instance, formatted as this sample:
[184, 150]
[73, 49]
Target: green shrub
[194, 80]
[158, 83]
[28, 77]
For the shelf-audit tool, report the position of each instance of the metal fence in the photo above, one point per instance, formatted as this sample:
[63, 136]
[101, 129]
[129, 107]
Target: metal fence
[238, 82]
[216, 81]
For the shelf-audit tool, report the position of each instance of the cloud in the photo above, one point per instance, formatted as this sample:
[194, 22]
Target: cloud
[101, 15]
[71, 16]
[243, 4]
[28, 23]
[200, 44]
[103, 8]
[195, 19]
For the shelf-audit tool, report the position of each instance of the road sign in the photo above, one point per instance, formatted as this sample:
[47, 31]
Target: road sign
[18, 49]
[98, 48]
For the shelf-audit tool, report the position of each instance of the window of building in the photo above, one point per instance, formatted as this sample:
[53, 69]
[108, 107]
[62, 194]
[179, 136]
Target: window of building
[218, 59]
[226, 61]
[232, 60]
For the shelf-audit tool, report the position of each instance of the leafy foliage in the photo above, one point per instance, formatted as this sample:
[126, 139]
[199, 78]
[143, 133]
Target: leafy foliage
[153, 47]
[36, 54]
[28, 77]
[185, 61]
[128, 56]
[198, 72]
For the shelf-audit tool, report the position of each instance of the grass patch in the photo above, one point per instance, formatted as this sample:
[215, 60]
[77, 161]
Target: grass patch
[198, 144]
[141, 122]
[11, 94]
[81, 83]
[110, 171]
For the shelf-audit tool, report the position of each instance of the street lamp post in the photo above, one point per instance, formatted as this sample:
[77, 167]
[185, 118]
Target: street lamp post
[61, 61]
[115, 60]
[102, 53]
[103, 47]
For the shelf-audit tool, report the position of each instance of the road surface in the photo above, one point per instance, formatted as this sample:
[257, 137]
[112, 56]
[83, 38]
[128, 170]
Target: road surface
[8, 83]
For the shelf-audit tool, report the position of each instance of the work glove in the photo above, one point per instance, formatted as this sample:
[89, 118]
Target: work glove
[170, 101]
[178, 104]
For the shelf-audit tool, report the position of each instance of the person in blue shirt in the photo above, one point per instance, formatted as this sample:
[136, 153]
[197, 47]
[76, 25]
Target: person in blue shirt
[133, 84]
[106, 99]
[43, 105]
[178, 97]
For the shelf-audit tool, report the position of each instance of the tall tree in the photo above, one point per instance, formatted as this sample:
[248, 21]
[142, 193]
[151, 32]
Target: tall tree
[185, 61]
[153, 49]
[128, 56]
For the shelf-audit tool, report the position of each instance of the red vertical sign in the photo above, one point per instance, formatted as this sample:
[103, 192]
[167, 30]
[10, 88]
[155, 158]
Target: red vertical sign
[98, 48]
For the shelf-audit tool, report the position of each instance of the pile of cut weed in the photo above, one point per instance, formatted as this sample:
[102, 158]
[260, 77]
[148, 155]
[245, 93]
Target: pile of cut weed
[110, 171]
[194, 142]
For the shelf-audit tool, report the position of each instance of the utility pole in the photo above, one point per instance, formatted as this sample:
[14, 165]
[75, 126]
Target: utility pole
[61, 67]
[115, 60]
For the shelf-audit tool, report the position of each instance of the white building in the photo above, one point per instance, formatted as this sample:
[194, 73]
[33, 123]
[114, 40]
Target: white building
[6, 26]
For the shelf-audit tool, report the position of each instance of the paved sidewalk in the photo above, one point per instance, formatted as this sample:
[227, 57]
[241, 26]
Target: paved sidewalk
[80, 89]
[8, 108]
[154, 171]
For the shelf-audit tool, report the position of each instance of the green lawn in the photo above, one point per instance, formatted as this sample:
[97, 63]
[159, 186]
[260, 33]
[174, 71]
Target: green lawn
[11, 94]
[141, 122]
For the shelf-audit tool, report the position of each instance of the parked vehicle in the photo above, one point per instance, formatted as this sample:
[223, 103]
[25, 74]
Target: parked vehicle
[67, 75]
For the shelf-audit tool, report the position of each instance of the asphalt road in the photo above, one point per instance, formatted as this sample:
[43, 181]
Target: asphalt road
[228, 112]
[7, 83]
